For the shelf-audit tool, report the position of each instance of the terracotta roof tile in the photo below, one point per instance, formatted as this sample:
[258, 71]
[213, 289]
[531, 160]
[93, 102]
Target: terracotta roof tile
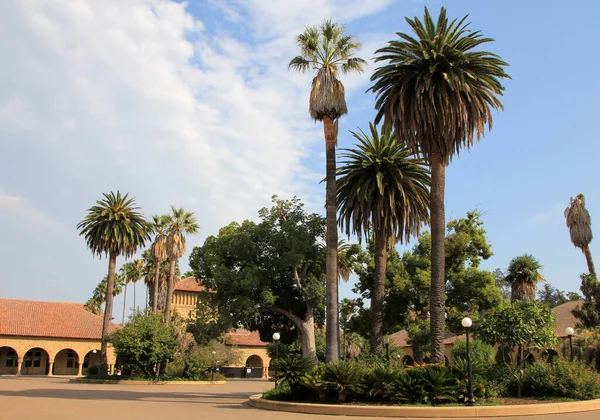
[30, 318]
[189, 284]
[565, 317]
[400, 339]
[243, 337]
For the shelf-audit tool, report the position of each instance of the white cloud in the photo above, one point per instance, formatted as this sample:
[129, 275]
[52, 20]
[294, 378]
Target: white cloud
[16, 210]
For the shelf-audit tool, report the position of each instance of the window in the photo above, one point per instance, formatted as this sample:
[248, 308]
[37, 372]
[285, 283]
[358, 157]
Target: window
[70, 359]
[9, 362]
[86, 361]
[27, 362]
[36, 362]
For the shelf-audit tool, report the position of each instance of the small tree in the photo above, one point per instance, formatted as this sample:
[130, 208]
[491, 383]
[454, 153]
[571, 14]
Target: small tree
[145, 342]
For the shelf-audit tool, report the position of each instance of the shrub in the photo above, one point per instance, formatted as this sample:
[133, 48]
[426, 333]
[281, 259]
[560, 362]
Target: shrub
[408, 387]
[344, 378]
[92, 371]
[378, 381]
[482, 354]
[563, 379]
[439, 386]
[281, 393]
[315, 382]
[291, 369]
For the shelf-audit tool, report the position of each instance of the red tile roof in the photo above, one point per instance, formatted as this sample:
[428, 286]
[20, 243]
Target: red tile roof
[28, 318]
[243, 337]
[565, 317]
[189, 284]
[400, 339]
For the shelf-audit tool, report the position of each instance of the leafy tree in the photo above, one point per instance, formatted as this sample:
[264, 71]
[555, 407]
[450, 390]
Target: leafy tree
[158, 253]
[502, 284]
[579, 223]
[145, 342]
[268, 275]
[552, 297]
[111, 228]
[291, 344]
[528, 324]
[382, 189]
[327, 49]
[589, 314]
[523, 276]
[199, 358]
[438, 95]
[207, 324]
[179, 223]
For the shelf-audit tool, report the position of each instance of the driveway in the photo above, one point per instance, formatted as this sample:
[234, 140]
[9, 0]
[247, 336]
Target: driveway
[55, 398]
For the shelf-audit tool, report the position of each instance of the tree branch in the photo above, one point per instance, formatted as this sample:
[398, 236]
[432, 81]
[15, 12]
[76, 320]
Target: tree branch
[293, 317]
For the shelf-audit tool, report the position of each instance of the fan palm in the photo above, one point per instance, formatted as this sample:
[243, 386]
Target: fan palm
[163, 274]
[523, 276]
[438, 94]
[180, 222]
[113, 227]
[158, 251]
[381, 186]
[579, 223]
[327, 50]
[131, 271]
[126, 281]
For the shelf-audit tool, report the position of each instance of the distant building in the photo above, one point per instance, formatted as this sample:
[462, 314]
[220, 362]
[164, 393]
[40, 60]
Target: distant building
[49, 338]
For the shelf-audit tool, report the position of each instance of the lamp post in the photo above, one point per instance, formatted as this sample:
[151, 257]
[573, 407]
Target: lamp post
[570, 331]
[212, 375]
[466, 323]
[276, 338]
[387, 348]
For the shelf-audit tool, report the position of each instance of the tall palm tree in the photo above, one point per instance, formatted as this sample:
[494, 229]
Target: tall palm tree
[579, 223]
[180, 223]
[132, 272]
[327, 50]
[523, 275]
[381, 186]
[113, 227]
[347, 261]
[158, 250]
[126, 281]
[149, 275]
[99, 296]
[438, 94]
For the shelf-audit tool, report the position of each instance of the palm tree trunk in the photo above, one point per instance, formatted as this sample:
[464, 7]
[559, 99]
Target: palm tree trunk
[170, 287]
[147, 295]
[590, 262]
[134, 310]
[378, 294]
[437, 303]
[331, 241]
[155, 290]
[124, 303]
[110, 285]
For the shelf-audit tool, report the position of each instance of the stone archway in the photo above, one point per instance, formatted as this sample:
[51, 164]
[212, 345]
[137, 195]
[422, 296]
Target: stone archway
[66, 362]
[92, 358]
[254, 361]
[407, 361]
[9, 361]
[254, 367]
[35, 362]
[549, 355]
[529, 359]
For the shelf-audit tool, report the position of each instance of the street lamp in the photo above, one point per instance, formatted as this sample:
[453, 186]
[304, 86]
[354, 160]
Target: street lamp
[212, 376]
[387, 348]
[466, 323]
[276, 338]
[570, 331]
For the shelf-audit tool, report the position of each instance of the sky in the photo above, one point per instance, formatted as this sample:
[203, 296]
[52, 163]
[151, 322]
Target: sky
[191, 104]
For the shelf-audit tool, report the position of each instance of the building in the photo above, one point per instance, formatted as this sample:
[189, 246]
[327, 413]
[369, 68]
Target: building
[255, 360]
[49, 338]
[564, 318]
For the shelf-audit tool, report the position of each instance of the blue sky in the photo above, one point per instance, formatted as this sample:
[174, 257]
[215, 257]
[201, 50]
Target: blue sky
[191, 104]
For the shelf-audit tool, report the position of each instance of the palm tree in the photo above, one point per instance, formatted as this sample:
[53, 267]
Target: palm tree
[347, 261]
[111, 228]
[180, 223]
[523, 275]
[381, 186]
[126, 281]
[149, 275]
[158, 251]
[99, 296]
[438, 94]
[579, 223]
[132, 271]
[327, 50]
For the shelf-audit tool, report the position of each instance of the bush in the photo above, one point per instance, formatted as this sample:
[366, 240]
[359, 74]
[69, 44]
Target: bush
[426, 385]
[92, 371]
[563, 379]
[315, 382]
[291, 369]
[482, 354]
[378, 381]
[344, 378]
[281, 393]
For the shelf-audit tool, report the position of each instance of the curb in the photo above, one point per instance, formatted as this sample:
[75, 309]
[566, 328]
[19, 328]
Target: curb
[114, 381]
[257, 401]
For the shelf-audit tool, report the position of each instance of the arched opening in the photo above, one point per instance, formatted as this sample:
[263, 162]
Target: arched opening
[66, 362]
[549, 355]
[408, 361]
[35, 362]
[529, 359]
[9, 361]
[254, 367]
[92, 358]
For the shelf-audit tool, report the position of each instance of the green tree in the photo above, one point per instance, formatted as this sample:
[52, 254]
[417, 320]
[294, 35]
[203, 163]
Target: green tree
[579, 223]
[382, 189]
[132, 272]
[589, 314]
[348, 259]
[523, 275]
[268, 275]
[502, 284]
[180, 223]
[98, 298]
[158, 251]
[111, 228]
[438, 95]
[207, 323]
[145, 342]
[552, 297]
[327, 50]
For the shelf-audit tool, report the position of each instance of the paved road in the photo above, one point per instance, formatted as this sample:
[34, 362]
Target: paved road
[55, 398]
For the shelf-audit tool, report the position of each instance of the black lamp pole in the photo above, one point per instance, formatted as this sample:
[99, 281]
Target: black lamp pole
[276, 338]
[570, 331]
[466, 322]
[212, 374]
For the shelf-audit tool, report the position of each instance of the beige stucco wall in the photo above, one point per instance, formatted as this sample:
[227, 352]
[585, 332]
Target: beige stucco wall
[55, 354]
[184, 303]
